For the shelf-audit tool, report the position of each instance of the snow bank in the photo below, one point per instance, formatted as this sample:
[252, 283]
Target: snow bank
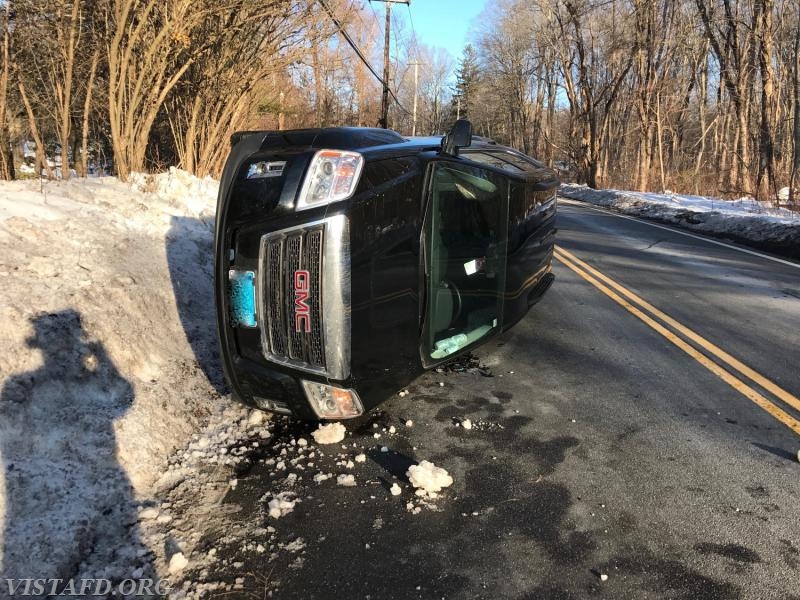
[108, 336]
[744, 220]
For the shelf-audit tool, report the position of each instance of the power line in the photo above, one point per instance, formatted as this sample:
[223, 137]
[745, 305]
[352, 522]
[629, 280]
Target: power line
[360, 54]
[413, 32]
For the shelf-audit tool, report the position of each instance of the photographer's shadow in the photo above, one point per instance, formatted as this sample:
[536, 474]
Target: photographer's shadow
[68, 505]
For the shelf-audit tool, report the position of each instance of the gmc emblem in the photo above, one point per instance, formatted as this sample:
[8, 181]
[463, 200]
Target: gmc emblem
[302, 312]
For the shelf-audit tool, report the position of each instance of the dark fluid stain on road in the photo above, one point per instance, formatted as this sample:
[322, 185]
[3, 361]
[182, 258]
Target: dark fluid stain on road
[735, 552]
[548, 593]
[394, 462]
[790, 554]
[503, 396]
[757, 492]
[669, 578]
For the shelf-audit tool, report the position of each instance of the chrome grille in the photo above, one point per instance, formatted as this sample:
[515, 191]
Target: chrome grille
[283, 255]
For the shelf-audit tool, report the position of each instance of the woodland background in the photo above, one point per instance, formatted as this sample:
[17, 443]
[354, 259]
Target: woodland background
[695, 96]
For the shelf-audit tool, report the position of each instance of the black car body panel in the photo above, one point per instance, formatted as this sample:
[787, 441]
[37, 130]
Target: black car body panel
[370, 312]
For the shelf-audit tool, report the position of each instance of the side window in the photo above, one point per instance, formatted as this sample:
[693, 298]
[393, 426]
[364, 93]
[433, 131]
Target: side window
[465, 243]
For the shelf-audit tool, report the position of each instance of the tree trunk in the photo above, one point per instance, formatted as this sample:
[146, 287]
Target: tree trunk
[6, 155]
[87, 107]
[41, 158]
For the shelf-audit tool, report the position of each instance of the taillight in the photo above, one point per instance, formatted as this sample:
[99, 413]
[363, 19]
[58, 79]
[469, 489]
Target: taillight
[332, 176]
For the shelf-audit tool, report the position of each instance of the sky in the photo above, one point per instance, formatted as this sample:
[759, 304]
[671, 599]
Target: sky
[443, 23]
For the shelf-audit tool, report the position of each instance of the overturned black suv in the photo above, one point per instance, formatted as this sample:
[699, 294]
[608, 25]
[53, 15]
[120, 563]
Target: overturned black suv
[349, 260]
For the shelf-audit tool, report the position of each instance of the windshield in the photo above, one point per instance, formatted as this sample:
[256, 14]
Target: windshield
[465, 236]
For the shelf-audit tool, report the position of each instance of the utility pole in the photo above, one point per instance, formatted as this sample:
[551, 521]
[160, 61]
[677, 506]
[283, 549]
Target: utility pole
[416, 93]
[384, 121]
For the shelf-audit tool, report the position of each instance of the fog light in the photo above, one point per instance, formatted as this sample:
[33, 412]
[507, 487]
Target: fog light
[331, 402]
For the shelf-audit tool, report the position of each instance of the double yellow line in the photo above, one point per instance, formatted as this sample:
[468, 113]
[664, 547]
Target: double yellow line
[661, 322]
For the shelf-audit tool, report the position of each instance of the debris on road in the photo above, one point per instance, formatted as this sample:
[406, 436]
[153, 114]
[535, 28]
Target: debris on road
[346, 480]
[333, 433]
[468, 363]
[429, 478]
[281, 505]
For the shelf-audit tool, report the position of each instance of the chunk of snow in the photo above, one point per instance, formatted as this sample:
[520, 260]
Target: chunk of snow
[384, 449]
[428, 477]
[332, 433]
[256, 418]
[395, 490]
[603, 577]
[361, 458]
[148, 514]
[409, 423]
[302, 442]
[281, 505]
[177, 563]
[466, 424]
[320, 477]
[392, 429]
[346, 480]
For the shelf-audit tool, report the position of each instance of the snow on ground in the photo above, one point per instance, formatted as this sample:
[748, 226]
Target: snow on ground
[122, 455]
[744, 220]
[107, 331]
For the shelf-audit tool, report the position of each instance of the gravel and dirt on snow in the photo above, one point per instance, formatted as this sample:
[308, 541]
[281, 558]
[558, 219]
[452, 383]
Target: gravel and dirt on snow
[747, 221]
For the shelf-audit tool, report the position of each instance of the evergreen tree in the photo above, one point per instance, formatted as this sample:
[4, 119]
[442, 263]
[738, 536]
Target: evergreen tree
[467, 77]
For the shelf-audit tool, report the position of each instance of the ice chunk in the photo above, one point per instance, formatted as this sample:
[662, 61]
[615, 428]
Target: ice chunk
[466, 424]
[148, 514]
[333, 433]
[395, 490]
[428, 477]
[177, 563]
[256, 418]
[361, 458]
[281, 505]
[346, 480]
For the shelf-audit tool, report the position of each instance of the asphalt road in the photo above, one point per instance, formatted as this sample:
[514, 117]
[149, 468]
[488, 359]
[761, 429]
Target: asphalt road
[600, 447]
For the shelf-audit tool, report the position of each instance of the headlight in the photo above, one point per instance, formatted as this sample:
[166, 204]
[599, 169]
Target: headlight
[332, 176]
[330, 402]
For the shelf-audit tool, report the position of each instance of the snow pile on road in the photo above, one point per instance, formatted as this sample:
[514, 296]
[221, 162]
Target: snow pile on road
[428, 478]
[281, 505]
[743, 220]
[332, 433]
[107, 329]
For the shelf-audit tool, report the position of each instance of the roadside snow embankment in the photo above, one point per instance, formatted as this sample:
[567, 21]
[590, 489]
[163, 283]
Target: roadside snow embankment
[746, 221]
[108, 336]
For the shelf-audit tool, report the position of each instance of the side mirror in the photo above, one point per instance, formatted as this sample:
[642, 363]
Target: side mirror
[460, 136]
